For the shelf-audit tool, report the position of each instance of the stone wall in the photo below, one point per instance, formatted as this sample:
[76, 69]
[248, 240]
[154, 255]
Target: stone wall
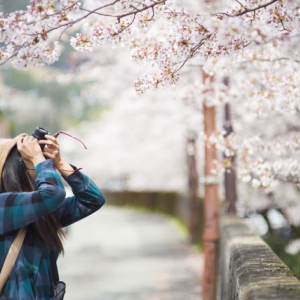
[249, 269]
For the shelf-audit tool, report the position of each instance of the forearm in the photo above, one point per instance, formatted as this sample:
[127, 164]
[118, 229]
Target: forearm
[30, 165]
[65, 169]
[86, 200]
[20, 209]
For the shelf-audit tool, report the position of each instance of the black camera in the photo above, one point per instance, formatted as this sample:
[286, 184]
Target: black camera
[39, 133]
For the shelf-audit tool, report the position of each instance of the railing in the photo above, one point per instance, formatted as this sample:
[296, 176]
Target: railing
[249, 269]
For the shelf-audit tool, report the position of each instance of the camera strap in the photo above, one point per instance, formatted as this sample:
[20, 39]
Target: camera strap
[11, 257]
[22, 165]
[70, 135]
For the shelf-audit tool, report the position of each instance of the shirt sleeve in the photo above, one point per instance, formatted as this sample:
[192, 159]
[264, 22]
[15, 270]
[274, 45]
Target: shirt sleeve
[18, 209]
[86, 200]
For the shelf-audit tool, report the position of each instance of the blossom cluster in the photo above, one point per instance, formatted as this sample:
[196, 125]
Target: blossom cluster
[32, 36]
[26, 34]
[183, 35]
[252, 27]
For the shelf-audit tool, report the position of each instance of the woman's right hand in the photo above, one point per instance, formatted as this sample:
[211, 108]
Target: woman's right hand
[30, 149]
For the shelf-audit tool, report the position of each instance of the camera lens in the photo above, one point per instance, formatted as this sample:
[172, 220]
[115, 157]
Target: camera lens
[39, 133]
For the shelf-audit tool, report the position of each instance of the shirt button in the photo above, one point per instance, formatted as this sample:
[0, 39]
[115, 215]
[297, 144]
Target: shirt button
[34, 267]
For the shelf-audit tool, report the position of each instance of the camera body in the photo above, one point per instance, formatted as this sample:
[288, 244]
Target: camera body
[39, 133]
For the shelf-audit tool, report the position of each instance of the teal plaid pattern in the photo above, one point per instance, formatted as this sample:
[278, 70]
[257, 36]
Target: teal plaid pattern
[31, 276]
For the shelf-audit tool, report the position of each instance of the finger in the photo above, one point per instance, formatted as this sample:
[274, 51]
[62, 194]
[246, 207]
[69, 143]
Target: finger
[49, 155]
[48, 143]
[51, 138]
[31, 138]
[48, 150]
[51, 151]
[25, 139]
[19, 142]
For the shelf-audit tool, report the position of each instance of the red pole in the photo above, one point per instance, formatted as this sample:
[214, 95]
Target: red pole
[211, 207]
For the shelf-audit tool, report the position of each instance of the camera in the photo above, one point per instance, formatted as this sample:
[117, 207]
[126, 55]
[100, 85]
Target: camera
[39, 133]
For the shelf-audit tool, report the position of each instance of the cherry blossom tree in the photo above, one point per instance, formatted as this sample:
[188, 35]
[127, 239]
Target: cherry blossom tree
[33, 36]
[254, 43]
[250, 37]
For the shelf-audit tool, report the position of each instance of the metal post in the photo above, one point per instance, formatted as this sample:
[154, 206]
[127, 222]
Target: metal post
[211, 206]
[193, 186]
[230, 174]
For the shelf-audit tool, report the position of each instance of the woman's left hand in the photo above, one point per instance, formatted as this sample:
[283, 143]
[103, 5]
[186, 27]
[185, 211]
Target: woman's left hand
[52, 150]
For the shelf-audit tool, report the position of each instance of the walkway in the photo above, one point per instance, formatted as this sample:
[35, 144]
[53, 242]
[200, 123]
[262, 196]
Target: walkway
[120, 254]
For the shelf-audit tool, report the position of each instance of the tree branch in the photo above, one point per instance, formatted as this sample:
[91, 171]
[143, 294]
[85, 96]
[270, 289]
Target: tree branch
[56, 13]
[192, 52]
[81, 18]
[241, 4]
[247, 10]
[10, 57]
[95, 11]
[90, 12]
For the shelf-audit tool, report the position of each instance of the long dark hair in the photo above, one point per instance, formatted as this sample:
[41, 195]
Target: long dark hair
[47, 231]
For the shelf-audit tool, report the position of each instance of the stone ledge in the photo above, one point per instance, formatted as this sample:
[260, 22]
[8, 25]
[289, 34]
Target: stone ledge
[249, 269]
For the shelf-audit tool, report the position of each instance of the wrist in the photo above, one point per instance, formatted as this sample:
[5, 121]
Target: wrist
[36, 160]
[28, 164]
[63, 165]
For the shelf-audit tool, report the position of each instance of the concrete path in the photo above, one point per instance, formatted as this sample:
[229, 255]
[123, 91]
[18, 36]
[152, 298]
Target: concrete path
[120, 254]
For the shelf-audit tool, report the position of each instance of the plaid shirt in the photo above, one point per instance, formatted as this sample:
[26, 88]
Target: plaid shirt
[31, 276]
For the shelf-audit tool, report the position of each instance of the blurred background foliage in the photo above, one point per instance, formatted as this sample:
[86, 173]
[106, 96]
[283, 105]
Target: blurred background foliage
[63, 105]
[8, 6]
[278, 242]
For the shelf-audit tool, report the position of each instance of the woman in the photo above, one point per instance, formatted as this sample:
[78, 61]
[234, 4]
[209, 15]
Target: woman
[33, 196]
